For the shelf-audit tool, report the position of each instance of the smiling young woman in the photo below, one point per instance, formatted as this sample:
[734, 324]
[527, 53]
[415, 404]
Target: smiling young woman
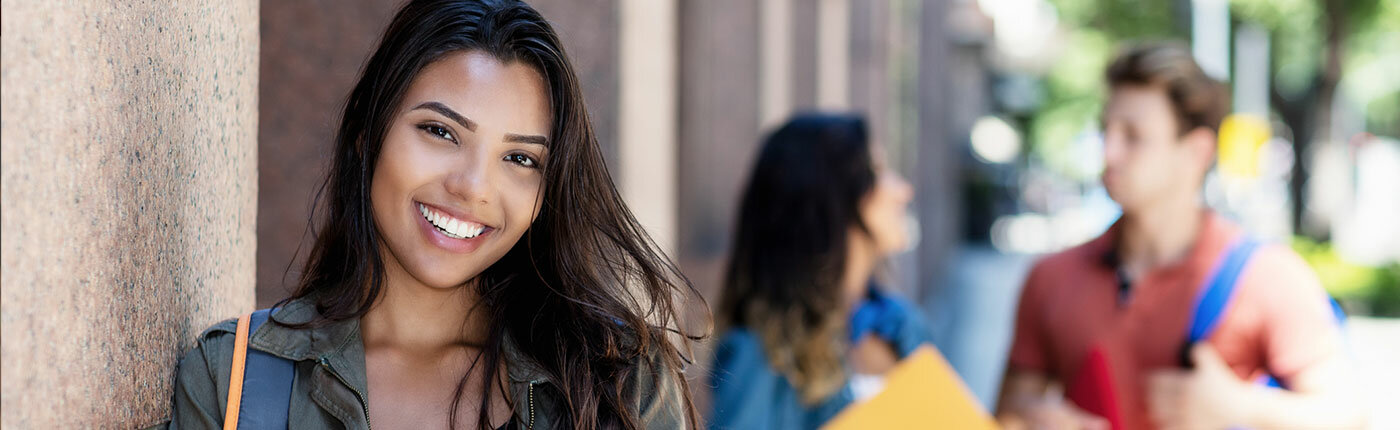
[475, 266]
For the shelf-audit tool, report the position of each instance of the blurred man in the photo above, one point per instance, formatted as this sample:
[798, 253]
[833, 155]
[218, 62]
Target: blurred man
[1107, 321]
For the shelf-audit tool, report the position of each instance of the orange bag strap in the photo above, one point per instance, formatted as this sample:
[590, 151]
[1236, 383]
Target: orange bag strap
[235, 379]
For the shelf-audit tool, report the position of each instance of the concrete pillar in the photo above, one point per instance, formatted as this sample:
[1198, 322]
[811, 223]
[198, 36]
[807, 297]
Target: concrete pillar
[775, 62]
[834, 55]
[806, 39]
[719, 117]
[648, 108]
[871, 90]
[589, 31]
[128, 157]
[936, 174]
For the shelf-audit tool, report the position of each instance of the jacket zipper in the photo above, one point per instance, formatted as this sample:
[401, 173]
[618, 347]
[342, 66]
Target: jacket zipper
[531, 396]
[364, 403]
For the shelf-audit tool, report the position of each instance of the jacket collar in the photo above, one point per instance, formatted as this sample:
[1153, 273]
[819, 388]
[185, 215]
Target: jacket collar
[519, 367]
[335, 344]
[340, 343]
[305, 343]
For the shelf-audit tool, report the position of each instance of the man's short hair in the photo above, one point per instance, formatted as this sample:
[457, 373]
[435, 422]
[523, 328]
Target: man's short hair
[1197, 99]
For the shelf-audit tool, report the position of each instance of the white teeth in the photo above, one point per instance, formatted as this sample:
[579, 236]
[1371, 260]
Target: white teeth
[452, 227]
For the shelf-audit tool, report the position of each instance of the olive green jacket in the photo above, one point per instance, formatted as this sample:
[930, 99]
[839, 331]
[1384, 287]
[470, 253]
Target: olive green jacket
[330, 388]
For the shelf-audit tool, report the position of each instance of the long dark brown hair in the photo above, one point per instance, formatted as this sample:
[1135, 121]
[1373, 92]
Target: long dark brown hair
[585, 293]
[783, 279]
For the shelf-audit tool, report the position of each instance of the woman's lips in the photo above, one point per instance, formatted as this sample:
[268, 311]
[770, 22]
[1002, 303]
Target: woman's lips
[454, 227]
[459, 235]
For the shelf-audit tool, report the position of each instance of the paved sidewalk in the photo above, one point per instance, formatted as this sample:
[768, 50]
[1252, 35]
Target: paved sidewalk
[973, 315]
[1376, 343]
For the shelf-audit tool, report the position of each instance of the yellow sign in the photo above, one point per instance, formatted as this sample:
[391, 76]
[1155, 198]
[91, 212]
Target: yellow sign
[1241, 138]
[922, 391]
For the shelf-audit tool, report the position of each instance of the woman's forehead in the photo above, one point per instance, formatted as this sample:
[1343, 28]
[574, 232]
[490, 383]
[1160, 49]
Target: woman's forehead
[511, 97]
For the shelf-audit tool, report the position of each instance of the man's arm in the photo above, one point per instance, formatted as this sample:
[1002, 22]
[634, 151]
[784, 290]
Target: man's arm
[1324, 396]
[1305, 348]
[1321, 396]
[1018, 389]
[1028, 400]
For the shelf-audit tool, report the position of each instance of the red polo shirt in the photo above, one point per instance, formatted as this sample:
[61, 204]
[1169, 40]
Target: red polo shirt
[1279, 320]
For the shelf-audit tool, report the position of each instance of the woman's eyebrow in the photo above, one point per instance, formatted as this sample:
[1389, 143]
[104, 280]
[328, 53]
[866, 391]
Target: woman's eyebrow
[449, 113]
[530, 138]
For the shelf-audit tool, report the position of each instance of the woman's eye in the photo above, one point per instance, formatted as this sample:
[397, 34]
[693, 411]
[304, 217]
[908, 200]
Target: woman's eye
[438, 131]
[521, 159]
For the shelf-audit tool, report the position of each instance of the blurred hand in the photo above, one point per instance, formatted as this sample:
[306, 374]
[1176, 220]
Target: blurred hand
[1207, 397]
[1056, 414]
[873, 355]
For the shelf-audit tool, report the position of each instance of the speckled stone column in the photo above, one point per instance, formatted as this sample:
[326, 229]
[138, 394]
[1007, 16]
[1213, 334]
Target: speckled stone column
[129, 179]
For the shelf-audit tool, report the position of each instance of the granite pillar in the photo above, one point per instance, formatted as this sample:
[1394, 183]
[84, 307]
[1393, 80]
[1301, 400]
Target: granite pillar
[129, 184]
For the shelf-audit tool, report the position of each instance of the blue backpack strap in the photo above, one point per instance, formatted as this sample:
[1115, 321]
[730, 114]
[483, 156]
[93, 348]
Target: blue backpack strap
[1216, 293]
[267, 385]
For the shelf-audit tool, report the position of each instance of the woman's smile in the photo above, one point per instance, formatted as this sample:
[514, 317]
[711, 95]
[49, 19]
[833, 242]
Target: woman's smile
[451, 230]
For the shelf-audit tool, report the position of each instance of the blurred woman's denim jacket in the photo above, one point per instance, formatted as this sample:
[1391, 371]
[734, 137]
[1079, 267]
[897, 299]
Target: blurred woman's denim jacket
[750, 394]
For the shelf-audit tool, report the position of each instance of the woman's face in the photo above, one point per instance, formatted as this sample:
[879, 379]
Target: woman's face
[458, 179]
[885, 207]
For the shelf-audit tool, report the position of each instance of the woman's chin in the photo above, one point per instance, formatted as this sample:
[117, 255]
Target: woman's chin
[444, 281]
[438, 271]
[893, 242]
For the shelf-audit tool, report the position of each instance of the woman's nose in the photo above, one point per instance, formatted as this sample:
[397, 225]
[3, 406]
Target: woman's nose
[470, 179]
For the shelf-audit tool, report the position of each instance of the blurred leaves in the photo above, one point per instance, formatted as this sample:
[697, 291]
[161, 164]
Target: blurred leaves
[1370, 50]
[1361, 289]
[1123, 19]
[1094, 29]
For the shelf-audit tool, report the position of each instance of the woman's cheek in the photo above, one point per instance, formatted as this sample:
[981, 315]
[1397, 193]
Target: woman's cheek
[522, 200]
[894, 226]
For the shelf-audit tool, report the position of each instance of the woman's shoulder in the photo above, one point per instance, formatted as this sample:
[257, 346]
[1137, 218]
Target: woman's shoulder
[657, 386]
[221, 331]
[214, 346]
[660, 390]
[201, 378]
[739, 347]
[738, 337]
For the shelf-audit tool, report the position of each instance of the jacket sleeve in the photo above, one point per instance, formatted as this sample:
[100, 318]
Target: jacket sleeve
[660, 396]
[201, 381]
[899, 322]
[750, 394]
[743, 383]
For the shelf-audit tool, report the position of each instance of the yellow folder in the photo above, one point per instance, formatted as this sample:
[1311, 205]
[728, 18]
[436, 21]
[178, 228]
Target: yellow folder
[922, 391]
